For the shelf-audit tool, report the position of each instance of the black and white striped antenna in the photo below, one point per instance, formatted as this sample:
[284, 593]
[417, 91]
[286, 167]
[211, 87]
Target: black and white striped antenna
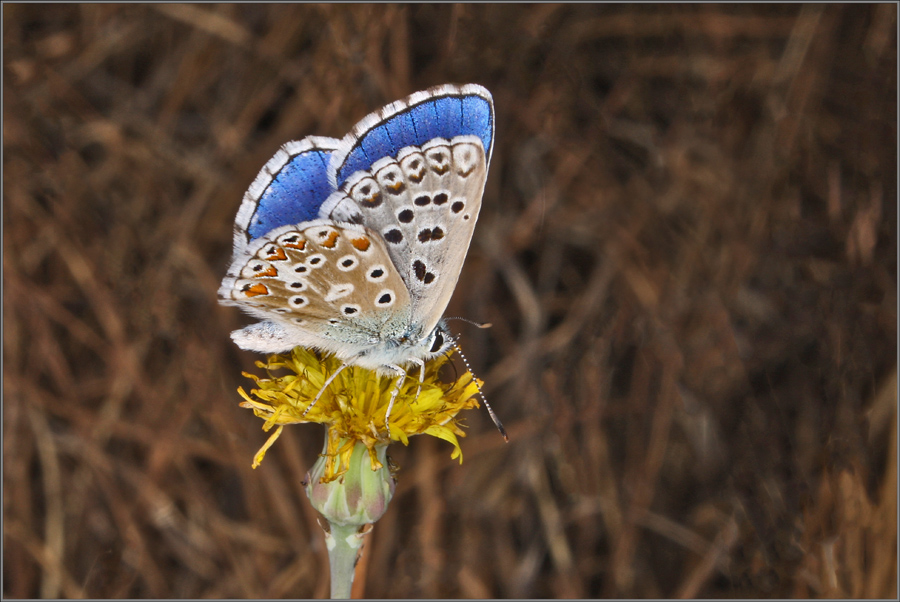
[490, 410]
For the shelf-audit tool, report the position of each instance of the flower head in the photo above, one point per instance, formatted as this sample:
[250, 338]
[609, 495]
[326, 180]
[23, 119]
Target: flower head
[354, 404]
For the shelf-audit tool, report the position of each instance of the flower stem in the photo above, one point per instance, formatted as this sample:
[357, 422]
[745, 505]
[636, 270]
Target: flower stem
[343, 543]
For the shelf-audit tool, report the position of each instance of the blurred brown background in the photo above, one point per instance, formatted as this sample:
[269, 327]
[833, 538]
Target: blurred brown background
[687, 249]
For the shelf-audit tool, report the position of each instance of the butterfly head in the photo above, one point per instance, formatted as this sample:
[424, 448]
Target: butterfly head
[413, 347]
[440, 341]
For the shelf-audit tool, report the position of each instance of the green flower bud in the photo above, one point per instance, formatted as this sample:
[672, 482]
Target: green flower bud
[358, 497]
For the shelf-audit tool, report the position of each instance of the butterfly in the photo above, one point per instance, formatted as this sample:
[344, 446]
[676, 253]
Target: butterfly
[353, 247]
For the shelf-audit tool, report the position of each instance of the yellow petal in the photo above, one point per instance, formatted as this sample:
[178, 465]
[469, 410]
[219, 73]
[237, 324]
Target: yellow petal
[262, 451]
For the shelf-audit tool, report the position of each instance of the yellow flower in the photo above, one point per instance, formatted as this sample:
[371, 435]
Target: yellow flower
[354, 405]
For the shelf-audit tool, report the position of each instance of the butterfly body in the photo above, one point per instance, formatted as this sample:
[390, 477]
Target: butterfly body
[354, 247]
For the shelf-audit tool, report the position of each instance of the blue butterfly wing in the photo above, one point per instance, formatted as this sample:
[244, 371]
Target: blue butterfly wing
[441, 112]
[289, 189]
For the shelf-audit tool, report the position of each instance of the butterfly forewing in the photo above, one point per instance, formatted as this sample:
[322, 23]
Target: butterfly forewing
[424, 203]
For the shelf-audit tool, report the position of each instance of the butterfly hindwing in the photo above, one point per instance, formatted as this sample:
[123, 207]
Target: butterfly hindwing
[333, 281]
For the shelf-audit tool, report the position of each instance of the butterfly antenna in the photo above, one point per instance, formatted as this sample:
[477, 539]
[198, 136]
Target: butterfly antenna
[490, 410]
[472, 322]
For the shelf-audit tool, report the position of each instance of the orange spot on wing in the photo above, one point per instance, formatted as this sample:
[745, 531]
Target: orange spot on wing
[271, 272]
[331, 240]
[300, 245]
[253, 290]
[277, 255]
[361, 244]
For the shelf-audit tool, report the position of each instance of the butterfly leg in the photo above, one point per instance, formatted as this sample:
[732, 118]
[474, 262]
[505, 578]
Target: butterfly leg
[421, 376]
[322, 390]
[402, 374]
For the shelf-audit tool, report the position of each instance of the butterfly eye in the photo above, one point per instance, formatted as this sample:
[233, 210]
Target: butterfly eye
[437, 343]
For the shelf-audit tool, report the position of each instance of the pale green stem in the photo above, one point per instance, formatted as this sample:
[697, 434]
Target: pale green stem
[343, 543]
[349, 504]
